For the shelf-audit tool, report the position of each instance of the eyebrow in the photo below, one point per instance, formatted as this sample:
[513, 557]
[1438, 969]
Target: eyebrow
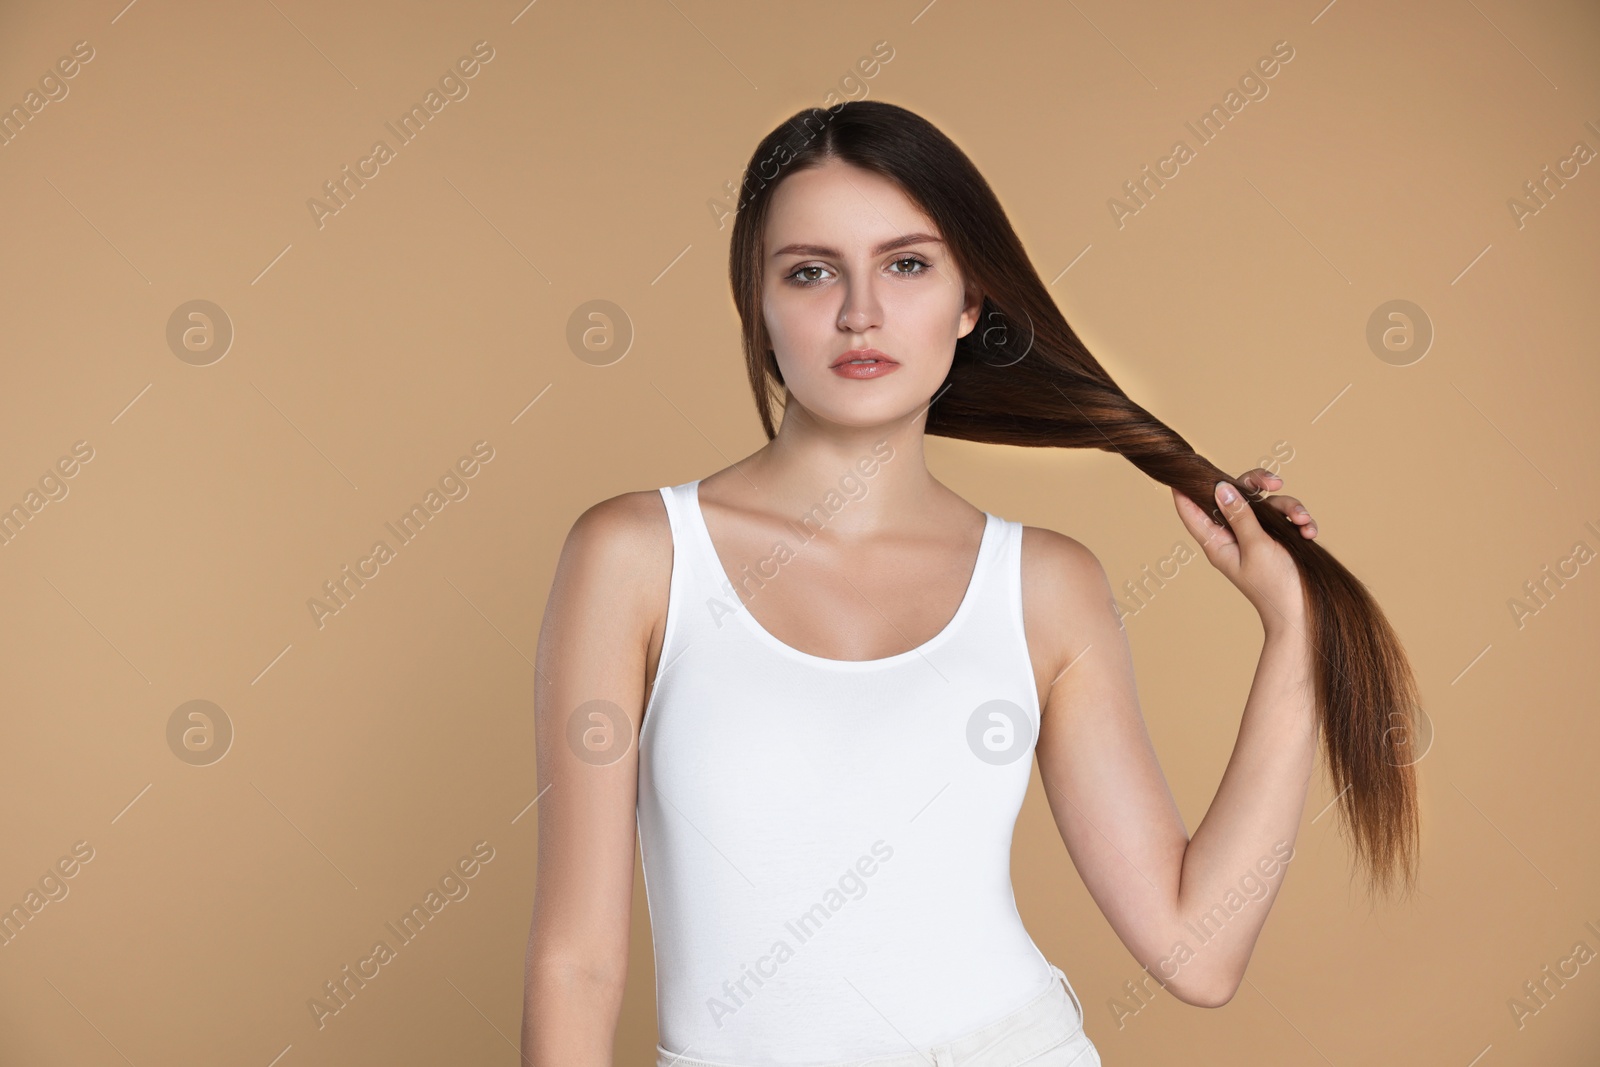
[887, 246]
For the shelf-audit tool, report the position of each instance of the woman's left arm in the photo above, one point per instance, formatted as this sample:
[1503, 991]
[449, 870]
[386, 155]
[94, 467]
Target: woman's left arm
[1190, 908]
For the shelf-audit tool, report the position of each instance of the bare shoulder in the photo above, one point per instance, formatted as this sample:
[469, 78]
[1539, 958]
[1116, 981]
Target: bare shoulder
[619, 549]
[1059, 564]
[1066, 597]
[621, 525]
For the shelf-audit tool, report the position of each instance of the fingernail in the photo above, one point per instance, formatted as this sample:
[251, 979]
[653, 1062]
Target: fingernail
[1227, 494]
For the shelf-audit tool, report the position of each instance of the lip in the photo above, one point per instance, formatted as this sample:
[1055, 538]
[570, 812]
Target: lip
[862, 353]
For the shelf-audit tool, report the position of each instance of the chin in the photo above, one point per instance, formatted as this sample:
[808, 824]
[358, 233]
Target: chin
[861, 411]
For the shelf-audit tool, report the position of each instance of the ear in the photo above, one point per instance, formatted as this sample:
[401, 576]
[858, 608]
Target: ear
[970, 311]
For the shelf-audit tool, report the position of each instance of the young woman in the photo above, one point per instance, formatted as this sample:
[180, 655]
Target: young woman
[850, 666]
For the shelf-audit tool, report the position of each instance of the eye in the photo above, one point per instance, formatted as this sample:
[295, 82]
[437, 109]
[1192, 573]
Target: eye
[912, 259]
[805, 283]
[921, 267]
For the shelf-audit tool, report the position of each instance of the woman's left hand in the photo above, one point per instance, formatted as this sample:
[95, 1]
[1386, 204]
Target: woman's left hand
[1246, 554]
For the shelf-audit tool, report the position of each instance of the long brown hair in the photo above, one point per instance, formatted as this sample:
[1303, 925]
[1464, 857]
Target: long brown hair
[1023, 377]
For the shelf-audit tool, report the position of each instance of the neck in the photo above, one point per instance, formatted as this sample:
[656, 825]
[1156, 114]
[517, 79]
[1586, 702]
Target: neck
[869, 477]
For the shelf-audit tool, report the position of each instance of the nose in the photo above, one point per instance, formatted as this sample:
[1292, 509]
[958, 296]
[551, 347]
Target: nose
[861, 310]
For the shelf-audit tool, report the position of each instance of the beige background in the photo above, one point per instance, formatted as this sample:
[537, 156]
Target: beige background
[432, 312]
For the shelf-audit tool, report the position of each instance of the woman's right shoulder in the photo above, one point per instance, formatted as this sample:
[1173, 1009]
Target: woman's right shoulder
[622, 541]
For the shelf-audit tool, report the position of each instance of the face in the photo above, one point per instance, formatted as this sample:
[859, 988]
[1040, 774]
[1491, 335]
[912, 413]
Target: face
[853, 264]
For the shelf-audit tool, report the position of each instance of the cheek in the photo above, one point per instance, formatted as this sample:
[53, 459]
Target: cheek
[926, 315]
[793, 322]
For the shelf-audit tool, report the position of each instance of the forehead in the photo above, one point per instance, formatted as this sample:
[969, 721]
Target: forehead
[843, 207]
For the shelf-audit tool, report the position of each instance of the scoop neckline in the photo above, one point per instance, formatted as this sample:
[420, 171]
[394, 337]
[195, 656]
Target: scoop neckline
[980, 568]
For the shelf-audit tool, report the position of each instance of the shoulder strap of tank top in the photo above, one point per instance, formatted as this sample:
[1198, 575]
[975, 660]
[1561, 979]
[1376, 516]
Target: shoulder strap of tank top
[694, 563]
[1002, 587]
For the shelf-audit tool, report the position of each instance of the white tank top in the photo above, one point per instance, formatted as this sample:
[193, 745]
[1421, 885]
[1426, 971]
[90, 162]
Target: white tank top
[827, 843]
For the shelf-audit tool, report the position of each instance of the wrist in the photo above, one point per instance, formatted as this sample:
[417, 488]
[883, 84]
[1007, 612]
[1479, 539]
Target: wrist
[1286, 623]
